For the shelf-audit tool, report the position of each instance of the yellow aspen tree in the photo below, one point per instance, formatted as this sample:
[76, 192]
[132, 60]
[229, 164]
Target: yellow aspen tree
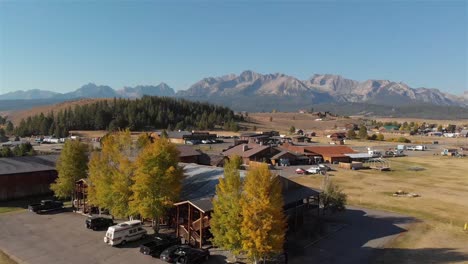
[111, 174]
[225, 223]
[263, 221]
[157, 181]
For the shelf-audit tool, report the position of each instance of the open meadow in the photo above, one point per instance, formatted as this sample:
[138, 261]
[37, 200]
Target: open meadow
[442, 207]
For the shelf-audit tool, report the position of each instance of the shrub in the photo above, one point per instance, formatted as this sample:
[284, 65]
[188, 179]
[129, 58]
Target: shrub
[333, 198]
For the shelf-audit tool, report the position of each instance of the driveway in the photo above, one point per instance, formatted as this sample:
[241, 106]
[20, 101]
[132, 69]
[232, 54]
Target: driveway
[363, 233]
[62, 238]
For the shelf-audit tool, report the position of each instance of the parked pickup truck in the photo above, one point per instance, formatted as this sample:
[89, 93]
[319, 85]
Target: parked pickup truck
[158, 245]
[44, 206]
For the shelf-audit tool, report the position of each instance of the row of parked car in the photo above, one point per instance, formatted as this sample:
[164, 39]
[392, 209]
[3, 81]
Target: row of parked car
[166, 247]
[317, 169]
[204, 141]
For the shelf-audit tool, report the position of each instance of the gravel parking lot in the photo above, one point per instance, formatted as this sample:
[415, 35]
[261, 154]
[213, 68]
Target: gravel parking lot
[61, 237]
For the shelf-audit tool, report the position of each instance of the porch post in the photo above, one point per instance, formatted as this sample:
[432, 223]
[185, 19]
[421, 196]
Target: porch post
[201, 228]
[189, 222]
[177, 222]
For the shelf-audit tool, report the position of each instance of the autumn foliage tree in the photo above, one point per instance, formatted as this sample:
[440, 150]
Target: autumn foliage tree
[72, 165]
[263, 220]
[111, 174]
[157, 181]
[227, 213]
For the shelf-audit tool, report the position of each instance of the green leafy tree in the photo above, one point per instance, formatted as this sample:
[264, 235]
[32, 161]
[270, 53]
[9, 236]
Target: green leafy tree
[351, 134]
[363, 132]
[157, 180]
[292, 130]
[72, 165]
[227, 214]
[263, 221]
[333, 198]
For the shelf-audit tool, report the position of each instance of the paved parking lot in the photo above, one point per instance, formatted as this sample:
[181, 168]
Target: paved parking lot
[61, 237]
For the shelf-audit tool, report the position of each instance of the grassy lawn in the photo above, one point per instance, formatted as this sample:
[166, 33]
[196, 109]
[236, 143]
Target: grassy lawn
[442, 183]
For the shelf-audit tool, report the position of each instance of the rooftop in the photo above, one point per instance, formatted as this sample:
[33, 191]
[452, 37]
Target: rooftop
[187, 151]
[245, 150]
[27, 164]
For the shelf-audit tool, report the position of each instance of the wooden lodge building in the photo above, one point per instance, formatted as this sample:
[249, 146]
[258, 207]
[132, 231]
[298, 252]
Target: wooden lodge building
[191, 215]
[26, 176]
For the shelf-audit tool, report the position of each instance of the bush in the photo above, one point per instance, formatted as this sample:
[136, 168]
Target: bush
[400, 140]
[380, 137]
[333, 198]
[404, 140]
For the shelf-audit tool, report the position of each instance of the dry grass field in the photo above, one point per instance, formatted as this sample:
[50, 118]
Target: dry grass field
[283, 121]
[442, 183]
[16, 116]
[4, 259]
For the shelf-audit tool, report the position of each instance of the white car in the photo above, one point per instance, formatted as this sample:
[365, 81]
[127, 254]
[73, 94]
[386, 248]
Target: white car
[314, 170]
[125, 232]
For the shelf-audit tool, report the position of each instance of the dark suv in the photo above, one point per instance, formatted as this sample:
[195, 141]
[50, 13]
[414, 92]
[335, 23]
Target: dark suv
[98, 222]
[158, 245]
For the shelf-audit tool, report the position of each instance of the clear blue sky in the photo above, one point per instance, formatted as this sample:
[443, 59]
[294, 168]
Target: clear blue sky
[61, 45]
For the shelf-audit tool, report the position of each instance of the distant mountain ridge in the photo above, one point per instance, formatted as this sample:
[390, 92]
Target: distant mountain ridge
[92, 90]
[29, 94]
[252, 90]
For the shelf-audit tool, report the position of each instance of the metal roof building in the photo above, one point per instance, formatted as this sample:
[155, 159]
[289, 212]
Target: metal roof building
[26, 176]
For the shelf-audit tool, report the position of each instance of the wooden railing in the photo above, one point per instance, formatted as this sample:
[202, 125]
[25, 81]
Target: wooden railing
[196, 223]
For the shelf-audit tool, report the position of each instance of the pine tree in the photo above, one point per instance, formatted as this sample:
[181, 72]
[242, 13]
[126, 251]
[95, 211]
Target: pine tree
[263, 221]
[363, 132]
[72, 165]
[157, 181]
[226, 218]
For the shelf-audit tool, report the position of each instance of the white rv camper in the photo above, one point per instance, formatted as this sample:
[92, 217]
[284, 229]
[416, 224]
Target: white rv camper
[124, 232]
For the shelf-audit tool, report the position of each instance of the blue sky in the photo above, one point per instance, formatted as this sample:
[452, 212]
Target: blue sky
[61, 45]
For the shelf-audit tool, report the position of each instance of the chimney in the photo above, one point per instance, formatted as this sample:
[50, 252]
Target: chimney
[245, 148]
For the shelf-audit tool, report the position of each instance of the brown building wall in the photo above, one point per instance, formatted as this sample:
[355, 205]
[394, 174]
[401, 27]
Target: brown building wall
[336, 159]
[14, 186]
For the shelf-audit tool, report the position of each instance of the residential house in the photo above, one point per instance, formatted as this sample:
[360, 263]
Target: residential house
[188, 154]
[251, 152]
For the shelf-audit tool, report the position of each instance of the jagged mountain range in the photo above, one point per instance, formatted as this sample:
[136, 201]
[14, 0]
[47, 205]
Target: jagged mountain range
[319, 89]
[249, 86]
